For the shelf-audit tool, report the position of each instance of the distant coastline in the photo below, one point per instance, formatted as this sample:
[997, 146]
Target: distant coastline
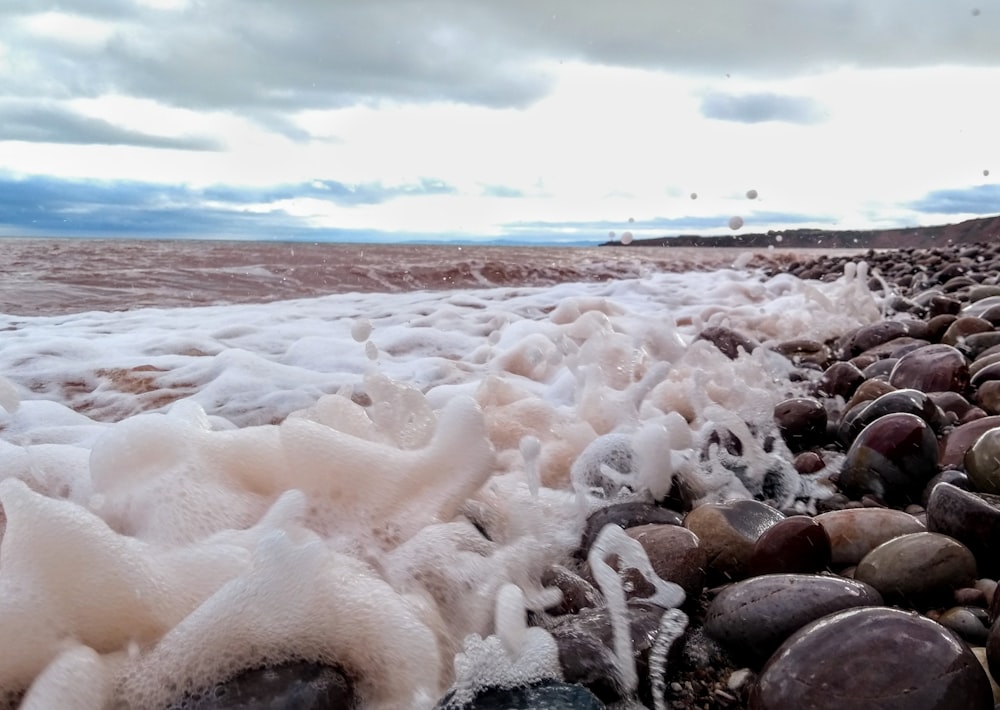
[968, 232]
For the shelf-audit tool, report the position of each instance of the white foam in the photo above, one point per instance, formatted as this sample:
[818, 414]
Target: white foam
[355, 478]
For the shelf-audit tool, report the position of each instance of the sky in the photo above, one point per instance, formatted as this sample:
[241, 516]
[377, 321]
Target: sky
[550, 121]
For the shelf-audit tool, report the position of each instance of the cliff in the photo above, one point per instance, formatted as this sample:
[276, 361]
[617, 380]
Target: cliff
[970, 231]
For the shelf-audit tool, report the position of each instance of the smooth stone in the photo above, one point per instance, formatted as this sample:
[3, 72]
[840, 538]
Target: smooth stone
[802, 422]
[933, 368]
[856, 532]
[577, 592]
[988, 396]
[586, 640]
[954, 476]
[755, 616]
[938, 325]
[977, 343]
[982, 462]
[839, 380]
[892, 458]
[970, 623]
[983, 361]
[954, 405]
[906, 401]
[959, 439]
[983, 373]
[728, 532]
[918, 568]
[869, 336]
[979, 292]
[297, 684]
[796, 544]
[981, 306]
[728, 341]
[971, 518]
[867, 391]
[873, 657]
[963, 327]
[880, 369]
[675, 554]
[543, 695]
[625, 515]
[805, 351]
[894, 349]
[808, 462]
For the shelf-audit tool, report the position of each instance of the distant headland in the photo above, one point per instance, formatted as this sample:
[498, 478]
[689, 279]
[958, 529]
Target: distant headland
[970, 231]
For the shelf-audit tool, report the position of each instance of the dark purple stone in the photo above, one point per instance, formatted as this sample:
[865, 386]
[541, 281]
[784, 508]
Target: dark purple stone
[971, 518]
[802, 422]
[795, 544]
[932, 368]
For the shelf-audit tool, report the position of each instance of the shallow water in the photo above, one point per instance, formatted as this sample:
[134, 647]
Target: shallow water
[189, 491]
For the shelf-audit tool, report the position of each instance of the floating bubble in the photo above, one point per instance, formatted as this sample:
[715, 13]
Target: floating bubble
[975, 12]
[611, 235]
[751, 194]
[694, 195]
[626, 237]
[735, 222]
[986, 173]
[361, 329]
[631, 220]
[778, 238]
[371, 350]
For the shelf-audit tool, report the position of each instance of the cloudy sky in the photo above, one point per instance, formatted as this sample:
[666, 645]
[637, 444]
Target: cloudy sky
[547, 121]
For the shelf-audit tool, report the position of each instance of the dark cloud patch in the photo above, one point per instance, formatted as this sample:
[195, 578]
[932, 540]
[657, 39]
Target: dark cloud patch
[42, 205]
[762, 107]
[52, 124]
[279, 56]
[979, 200]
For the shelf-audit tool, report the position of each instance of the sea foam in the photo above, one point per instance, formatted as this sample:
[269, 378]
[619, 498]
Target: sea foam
[362, 480]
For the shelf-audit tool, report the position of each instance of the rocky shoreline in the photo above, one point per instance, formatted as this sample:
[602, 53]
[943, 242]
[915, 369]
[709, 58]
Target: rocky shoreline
[880, 591]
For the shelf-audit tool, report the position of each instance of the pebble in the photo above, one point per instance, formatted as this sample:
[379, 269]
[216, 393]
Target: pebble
[543, 695]
[855, 532]
[624, 515]
[918, 569]
[796, 544]
[297, 684]
[675, 554]
[972, 519]
[959, 439]
[873, 657]
[932, 368]
[982, 462]
[970, 623]
[802, 422]
[728, 532]
[755, 616]
[892, 458]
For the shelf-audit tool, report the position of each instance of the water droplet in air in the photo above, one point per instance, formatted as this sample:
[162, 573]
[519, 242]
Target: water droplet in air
[371, 350]
[986, 173]
[631, 220]
[975, 12]
[626, 237]
[611, 235]
[751, 194]
[361, 329]
[694, 195]
[735, 222]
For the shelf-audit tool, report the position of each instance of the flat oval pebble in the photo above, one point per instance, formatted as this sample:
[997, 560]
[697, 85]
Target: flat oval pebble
[297, 684]
[795, 544]
[873, 657]
[728, 532]
[801, 421]
[755, 616]
[918, 569]
[972, 519]
[932, 368]
[857, 531]
[543, 695]
[969, 623]
[624, 515]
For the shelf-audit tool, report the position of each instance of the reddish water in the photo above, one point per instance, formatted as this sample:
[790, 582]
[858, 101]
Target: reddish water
[53, 276]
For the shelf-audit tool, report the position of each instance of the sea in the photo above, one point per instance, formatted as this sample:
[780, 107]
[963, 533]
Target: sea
[218, 455]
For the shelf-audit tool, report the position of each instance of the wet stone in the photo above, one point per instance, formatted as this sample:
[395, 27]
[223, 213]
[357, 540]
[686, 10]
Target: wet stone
[892, 458]
[839, 380]
[918, 569]
[954, 406]
[728, 341]
[795, 544]
[873, 657]
[984, 373]
[755, 616]
[969, 623]
[959, 439]
[625, 515]
[971, 518]
[988, 396]
[856, 532]
[808, 462]
[802, 422]
[868, 390]
[982, 462]
[880, 369]
[298, 684]
[577, 592]
[963, 327]
[675, 554]
[804, 351]
[728, 532]
[978, 343]
[983, 361]
[870, 336]
[938, 325]
[933, 368]
[907, 401]
[544, 695]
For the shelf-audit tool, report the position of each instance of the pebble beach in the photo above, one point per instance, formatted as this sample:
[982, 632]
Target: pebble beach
[775, 486]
